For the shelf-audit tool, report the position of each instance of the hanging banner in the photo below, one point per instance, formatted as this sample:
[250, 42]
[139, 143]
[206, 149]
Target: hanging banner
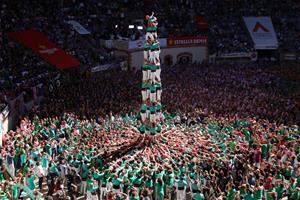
[251, 55]
[262, 32]
[49, 51]
[187, 41]
[104, 67]
[78, 27]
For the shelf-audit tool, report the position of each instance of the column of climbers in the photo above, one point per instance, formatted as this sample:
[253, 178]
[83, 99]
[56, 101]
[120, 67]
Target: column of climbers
[151, 87]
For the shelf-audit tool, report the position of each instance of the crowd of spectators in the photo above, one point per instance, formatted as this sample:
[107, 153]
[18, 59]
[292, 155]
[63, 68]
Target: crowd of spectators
[19, 67]
[228, 133]
[110, 20]
[229, 130]
[265, 90]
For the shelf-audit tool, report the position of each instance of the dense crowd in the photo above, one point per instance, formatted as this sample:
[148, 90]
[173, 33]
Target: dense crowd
[216, 141]
[216, 159]
[258, 90]
[225, 29]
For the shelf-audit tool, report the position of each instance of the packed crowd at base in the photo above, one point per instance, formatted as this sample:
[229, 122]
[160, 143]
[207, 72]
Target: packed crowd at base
[219, 158]
[228, 133]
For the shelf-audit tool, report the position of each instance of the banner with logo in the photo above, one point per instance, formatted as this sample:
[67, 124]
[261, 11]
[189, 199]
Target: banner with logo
[187, 41]
[49, 51]
[262, 32]
[78, 27]
[139, 44]
[251, 55]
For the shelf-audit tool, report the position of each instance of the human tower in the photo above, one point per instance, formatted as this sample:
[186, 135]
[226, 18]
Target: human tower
[151, 115]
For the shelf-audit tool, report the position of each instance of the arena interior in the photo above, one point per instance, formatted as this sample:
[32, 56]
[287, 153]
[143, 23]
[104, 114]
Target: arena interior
[150, 100]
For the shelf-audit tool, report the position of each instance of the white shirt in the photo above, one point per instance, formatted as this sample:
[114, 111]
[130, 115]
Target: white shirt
[39, 171]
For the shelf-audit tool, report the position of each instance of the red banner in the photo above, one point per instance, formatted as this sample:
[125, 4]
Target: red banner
[187, 41]
[49, 51]
[201, 22]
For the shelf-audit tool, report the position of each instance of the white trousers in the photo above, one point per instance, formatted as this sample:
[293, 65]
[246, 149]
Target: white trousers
[158, 116]
[143, 116]
[180, 194]
[153, 96]
[90, 196]
[144, 95]
[157, 74]
[152, 56]
[103, 193]
[83, 187]
[145, 75]
[152, 76]
[148, 94]
[152, 118]
[11, 169]
[146, 55]
[158, 95]
[148, 72]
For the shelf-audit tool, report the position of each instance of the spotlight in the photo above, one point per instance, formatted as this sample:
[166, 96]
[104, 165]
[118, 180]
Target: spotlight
[131, 26]
[140, 28]
[116, 26]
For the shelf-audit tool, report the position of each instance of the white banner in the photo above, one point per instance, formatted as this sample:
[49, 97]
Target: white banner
[251, 55]
[290, 56]
[262, 32]
[99, 68]
[78, 27]
[139, 44]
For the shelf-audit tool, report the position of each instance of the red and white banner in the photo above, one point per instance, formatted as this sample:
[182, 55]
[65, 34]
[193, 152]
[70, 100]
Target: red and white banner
[49, 51]
[187, 41]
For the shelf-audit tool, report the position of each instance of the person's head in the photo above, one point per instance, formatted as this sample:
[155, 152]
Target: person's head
[159, 181]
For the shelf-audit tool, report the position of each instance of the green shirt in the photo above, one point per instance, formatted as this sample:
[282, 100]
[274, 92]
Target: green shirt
[231, 194]
[247, 136]
[30, 182]
[152, 67]
[116, 181]
[145, 67]
[264, 149]
[199, 196]
[160, 189]
[258, 194]
[249, 196]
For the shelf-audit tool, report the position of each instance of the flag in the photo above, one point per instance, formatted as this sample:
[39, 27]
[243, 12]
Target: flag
[49, 51]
